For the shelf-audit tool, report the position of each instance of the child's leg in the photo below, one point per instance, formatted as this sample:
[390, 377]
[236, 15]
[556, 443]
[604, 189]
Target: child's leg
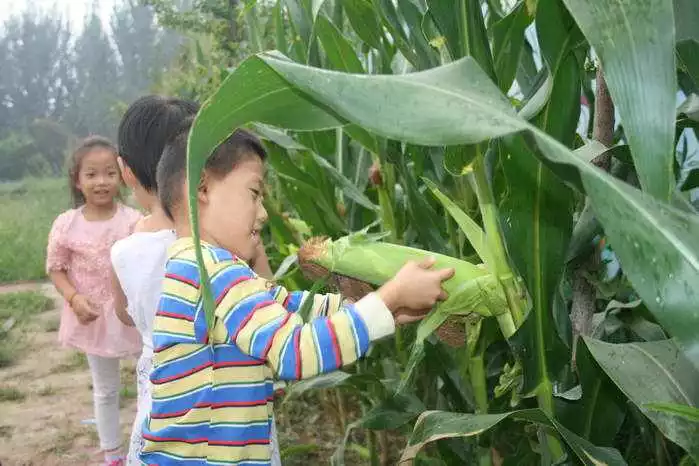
[105, 389]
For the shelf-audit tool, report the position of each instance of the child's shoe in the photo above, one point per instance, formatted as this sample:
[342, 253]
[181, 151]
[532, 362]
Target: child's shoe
[115, 461]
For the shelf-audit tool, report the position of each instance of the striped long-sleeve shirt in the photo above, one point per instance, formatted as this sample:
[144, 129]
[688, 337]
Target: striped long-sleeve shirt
[212, 403]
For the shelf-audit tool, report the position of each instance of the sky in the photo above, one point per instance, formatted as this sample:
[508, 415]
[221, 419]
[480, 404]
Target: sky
[74, 10]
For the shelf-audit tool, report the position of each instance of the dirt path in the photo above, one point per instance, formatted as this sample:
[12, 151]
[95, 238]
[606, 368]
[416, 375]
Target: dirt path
[45, 427]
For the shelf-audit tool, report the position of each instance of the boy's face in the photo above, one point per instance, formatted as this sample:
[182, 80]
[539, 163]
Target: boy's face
[231, 213]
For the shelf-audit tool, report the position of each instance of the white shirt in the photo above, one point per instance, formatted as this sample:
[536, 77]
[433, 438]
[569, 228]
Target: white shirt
[139, 262]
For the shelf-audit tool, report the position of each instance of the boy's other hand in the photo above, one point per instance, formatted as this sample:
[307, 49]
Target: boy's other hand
[414, 290]
[83, 309]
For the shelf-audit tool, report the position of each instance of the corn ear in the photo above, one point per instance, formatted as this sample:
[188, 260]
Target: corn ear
[358, 257]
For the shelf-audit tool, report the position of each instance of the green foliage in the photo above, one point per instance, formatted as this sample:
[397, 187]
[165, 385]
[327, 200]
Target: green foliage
[23, 304]
[27, 210]
[57, 83]
[417, 91]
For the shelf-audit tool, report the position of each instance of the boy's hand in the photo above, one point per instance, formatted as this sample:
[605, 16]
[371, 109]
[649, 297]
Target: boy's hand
[83, 309]
[415, 289]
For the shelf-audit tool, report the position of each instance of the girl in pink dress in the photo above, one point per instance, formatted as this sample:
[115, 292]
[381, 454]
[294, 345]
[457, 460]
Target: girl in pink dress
[78, 264]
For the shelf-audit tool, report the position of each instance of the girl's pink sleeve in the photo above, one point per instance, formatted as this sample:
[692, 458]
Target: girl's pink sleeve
[57, 253]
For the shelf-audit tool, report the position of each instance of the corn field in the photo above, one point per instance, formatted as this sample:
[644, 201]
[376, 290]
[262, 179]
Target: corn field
[543, 148]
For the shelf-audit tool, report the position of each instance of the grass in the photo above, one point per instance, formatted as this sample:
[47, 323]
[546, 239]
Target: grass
[52, 325]
[27, 211]
[23, 304]
[75, 361]
[11, 394]
[46, 390]
[8, 354]
[19, 306]
[128, 382]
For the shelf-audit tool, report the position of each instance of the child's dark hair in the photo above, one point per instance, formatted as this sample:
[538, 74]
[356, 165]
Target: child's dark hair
[144, 130]
[172, 167]
[86, 146]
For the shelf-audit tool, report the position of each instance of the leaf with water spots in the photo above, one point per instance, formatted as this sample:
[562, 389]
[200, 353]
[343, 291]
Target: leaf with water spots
[654, 372]
[437, 425]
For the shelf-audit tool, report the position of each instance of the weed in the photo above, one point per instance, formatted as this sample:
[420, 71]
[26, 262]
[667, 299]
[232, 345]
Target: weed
[46, 390]
[52, 325]
[62, 444]
[23, 237]
[23, 304]
[5, 431]
[8, 355]
[11, 394]
[75, 361]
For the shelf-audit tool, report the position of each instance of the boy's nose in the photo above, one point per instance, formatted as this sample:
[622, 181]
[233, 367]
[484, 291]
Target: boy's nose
[262, 214]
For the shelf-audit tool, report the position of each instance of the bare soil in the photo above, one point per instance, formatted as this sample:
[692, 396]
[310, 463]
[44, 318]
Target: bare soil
[45, 425]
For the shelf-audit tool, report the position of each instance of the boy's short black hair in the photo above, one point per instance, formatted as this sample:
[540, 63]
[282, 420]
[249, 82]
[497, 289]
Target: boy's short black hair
[144, 130]
[172, 167]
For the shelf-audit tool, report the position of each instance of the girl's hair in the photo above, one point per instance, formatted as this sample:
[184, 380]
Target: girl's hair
[86, 146]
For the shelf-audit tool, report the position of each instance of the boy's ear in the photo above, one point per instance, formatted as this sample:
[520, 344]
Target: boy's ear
[126, 174]
[203, 189]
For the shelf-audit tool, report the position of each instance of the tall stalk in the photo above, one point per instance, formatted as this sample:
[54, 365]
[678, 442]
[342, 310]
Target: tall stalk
[501, 264]
[507, 279]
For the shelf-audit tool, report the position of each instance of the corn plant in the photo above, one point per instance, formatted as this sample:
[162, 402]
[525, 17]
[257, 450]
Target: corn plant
[540, 145]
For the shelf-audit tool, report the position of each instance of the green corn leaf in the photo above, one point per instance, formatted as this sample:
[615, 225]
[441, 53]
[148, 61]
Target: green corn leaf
[654, 372]
[462, 106]
[635, 42]
[437, 425]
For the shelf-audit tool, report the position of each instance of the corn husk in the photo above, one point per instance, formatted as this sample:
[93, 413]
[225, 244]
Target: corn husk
[356, 264]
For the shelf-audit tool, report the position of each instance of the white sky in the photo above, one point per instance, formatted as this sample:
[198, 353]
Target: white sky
[74, 10]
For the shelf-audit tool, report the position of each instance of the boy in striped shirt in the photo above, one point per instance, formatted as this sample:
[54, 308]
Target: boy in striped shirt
[212, 400]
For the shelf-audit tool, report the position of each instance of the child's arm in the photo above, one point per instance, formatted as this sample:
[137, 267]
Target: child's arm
[120, 302]
[57, 263]
[249, 316]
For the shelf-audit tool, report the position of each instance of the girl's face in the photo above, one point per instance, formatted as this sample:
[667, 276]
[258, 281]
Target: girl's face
[98, 177]
[231, 213]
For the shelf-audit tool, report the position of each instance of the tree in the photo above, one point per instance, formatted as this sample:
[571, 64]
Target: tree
[96, 68]
[36, 79]
[145, 49]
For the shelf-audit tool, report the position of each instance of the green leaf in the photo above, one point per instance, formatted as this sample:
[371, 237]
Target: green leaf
[330, 380]
[675, 409]
[654, 372]
[364, 21]
[280, 41]
[444, 17]
[346, 185]
[526, 69]
[599, 414]
[316, 5]
[474, 35]
[540, 97]
[460, 105]
[340, 53]
[591, 150]
[508, 40]
[687, 37]
[635, 42]
[437, 425]
[536, 216]
[474, 233]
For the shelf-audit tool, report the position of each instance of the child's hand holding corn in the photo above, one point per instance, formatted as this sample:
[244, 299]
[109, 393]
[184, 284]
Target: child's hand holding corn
[414, 290]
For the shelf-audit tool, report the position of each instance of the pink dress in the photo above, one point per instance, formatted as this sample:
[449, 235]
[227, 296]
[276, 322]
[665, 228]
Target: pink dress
[81, 248]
